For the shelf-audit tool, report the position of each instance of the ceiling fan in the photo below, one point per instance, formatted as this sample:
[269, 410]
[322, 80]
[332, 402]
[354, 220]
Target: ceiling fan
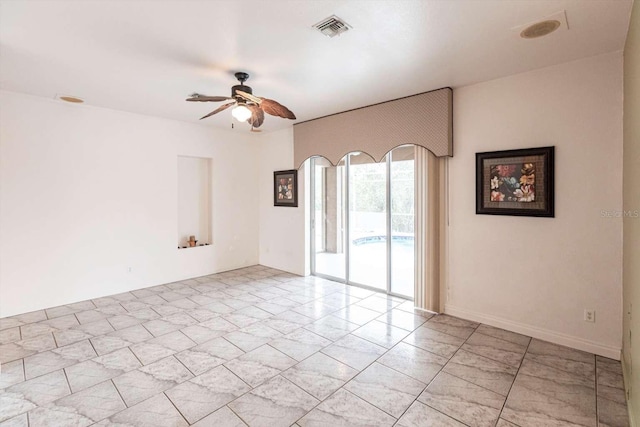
[248, 108]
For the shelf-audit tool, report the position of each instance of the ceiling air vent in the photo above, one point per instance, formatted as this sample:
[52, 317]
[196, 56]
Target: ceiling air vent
[332, 26]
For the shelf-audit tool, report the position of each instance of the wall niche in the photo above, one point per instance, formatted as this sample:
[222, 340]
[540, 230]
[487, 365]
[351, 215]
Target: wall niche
[194, 202]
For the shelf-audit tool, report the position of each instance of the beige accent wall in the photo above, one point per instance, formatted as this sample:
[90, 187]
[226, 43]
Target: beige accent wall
[631, 224]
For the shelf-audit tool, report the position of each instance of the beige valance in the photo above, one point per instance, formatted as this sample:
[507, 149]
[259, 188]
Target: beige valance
[424, 120]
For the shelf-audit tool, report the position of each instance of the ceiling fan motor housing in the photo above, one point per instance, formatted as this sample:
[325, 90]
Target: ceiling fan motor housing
[241, 88]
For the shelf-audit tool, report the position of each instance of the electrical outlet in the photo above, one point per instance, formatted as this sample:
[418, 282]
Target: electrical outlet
[589, 315]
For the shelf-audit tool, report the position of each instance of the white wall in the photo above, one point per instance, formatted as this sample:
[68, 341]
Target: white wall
[631, 245]
[283, 240]
[537, 275]
[86, 193]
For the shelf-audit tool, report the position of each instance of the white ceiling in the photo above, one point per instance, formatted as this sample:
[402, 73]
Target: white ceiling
[148, 56]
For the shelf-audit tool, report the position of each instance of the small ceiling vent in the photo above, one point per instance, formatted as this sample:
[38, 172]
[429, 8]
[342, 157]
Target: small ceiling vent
[332, 26]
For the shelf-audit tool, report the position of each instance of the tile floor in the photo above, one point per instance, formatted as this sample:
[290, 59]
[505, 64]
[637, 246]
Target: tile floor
[260, 347]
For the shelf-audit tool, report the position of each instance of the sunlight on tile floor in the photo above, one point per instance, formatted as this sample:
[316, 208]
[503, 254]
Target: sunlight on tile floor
[261, 347]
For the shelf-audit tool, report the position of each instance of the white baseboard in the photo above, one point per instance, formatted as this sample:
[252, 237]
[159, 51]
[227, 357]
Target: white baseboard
[535, 332]
[286, 269]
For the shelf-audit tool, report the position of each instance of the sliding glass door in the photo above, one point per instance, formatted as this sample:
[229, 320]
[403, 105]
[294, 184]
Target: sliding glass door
[367, 221]
[363, 220]
[328, 202]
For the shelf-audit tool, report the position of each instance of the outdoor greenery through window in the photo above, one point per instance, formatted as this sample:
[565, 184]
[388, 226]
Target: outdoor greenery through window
[356, 237]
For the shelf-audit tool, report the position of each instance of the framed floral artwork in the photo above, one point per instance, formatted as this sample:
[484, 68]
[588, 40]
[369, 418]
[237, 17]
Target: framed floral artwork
[515, 182]
[285, 188]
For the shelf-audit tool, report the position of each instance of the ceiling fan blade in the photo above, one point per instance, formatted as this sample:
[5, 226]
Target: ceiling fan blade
[203, 98]
[249, 97]
[257, 115]
[276, 109]
[217, 110]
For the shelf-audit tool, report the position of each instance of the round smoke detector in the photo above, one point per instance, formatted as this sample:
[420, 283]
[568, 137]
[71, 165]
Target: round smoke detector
[540, 29]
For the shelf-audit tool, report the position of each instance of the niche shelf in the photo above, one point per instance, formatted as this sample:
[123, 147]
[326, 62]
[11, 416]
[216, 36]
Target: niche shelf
[194, 201]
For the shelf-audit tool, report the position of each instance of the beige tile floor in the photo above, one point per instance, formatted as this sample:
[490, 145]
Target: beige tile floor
[261, 347]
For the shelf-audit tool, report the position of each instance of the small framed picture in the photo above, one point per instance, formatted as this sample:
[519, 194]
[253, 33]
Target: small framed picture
[285, 188]
[515, 182]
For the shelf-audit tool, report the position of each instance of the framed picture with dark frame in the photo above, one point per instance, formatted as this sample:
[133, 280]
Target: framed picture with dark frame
[285, 188]
[515, 182]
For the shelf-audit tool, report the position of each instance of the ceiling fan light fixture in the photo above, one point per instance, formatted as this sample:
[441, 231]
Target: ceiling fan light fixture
[245, 107]
[241, 113]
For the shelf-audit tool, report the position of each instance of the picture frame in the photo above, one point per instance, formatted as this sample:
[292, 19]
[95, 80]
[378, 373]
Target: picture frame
[285, 188]
[516, 182]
